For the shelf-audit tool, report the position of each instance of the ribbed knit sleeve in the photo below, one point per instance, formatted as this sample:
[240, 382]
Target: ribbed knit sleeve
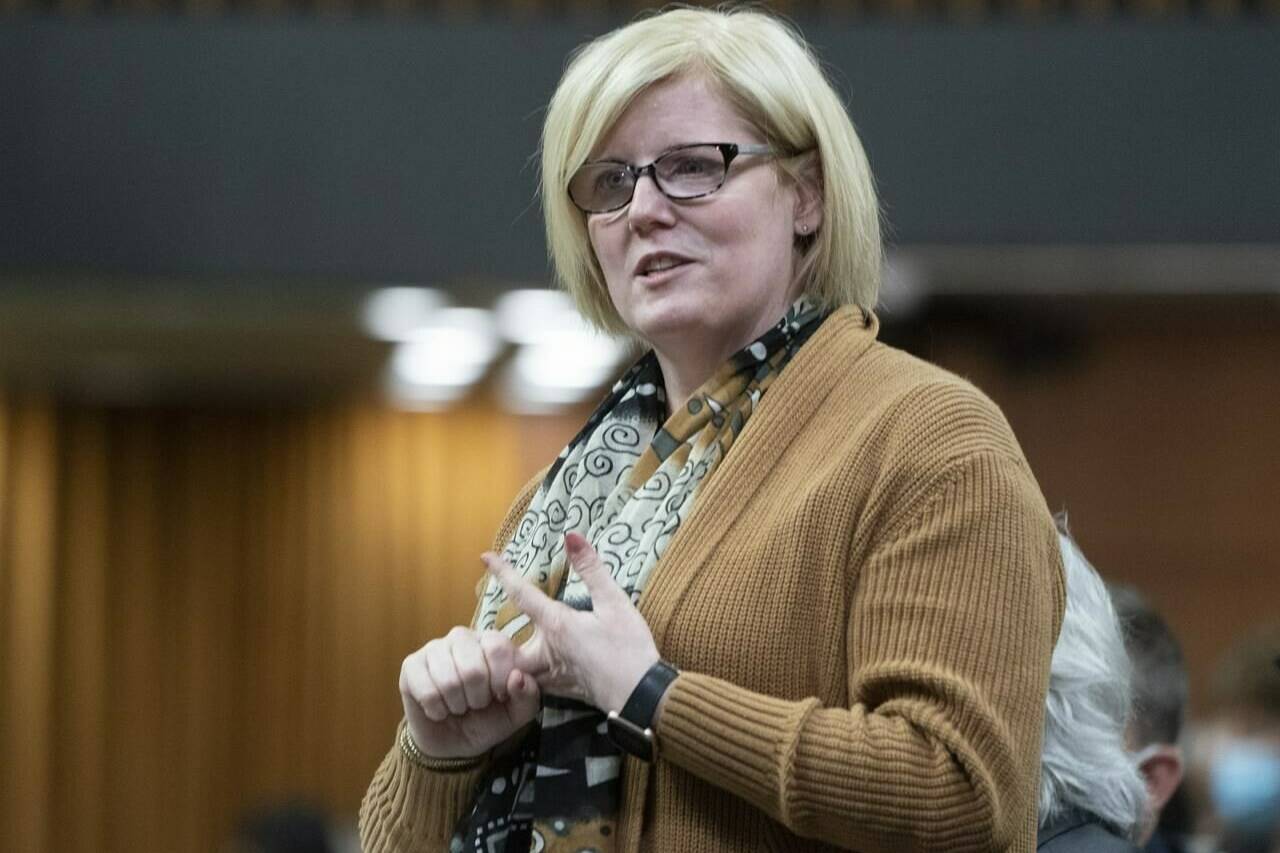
[408, 809]
[950, 630]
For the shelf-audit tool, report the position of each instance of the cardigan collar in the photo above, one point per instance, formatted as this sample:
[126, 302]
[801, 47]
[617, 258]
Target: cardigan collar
[826, 358]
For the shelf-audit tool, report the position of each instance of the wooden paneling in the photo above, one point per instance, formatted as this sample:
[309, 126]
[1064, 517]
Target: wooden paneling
[27, 637]
[205, 612]
[1158, 436]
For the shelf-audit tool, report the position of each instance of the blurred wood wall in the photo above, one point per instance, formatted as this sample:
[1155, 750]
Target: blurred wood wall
[201, 612]
[1155, 424]
[205, 612]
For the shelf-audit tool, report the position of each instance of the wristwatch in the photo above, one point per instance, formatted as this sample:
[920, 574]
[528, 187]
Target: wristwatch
[631, 729]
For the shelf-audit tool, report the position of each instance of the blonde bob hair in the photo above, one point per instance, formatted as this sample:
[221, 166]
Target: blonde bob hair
[768, 73]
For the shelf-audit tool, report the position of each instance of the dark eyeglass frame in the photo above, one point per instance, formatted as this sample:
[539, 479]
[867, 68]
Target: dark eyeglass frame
[728, 150]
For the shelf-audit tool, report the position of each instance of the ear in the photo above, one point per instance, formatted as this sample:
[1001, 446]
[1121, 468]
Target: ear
[809, 195]
[1163, 770]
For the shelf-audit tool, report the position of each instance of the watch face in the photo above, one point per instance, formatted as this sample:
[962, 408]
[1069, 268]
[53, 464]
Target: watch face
[630, 738]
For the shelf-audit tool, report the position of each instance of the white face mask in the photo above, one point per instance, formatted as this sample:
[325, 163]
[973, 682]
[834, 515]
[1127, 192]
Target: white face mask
[1244, 783]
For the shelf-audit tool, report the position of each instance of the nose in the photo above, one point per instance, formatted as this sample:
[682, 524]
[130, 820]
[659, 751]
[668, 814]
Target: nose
[649, 208]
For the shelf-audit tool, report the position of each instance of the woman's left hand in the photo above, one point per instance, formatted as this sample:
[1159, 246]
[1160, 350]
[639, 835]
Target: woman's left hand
[597, 656]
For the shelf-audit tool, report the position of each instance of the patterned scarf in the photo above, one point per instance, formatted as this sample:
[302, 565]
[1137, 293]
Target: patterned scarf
[626, 482]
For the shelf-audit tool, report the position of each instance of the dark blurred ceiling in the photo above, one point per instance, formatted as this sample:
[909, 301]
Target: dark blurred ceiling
[193, 208]
[142, 341]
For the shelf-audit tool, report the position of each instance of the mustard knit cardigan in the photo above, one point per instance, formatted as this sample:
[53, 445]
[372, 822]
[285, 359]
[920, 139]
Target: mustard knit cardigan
[862, 603]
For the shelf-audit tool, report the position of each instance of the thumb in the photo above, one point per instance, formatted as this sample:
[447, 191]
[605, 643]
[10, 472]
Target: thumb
[586, 562]
[524, 697]
[532, 657]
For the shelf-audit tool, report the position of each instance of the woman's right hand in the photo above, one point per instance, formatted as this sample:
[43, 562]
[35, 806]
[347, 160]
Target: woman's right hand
[463, 694]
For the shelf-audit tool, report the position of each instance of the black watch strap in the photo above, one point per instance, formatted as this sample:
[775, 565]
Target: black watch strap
[632, 728]
[642, 704]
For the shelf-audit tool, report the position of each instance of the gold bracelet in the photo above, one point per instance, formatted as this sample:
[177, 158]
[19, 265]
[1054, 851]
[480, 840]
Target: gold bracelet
[420, 758]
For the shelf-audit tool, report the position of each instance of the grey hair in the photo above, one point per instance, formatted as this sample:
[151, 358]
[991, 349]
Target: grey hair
[1084, 764]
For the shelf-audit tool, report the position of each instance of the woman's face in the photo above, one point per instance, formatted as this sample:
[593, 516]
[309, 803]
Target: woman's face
[720, 267]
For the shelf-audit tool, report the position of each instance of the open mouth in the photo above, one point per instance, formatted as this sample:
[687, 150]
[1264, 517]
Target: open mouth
[657, 268]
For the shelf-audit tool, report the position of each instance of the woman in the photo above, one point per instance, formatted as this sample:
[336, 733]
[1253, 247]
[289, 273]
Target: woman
[1092, 795]
[814, 584]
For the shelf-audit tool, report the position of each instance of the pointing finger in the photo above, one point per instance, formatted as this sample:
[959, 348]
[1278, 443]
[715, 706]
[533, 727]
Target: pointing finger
[531, 600]
[599, 582]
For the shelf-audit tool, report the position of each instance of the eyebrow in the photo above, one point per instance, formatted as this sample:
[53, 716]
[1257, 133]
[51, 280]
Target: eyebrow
[664, 152]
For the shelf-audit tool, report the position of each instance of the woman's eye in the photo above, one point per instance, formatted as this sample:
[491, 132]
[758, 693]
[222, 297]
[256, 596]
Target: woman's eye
[690, 166]
[612, 179]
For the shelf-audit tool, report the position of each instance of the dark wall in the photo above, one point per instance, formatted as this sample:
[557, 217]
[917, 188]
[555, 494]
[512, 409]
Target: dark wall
[385, 149]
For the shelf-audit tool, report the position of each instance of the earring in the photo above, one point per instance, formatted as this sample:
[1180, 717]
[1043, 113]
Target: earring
[804, 227]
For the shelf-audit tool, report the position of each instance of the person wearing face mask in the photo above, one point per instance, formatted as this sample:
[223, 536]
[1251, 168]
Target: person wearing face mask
[1092, 797]
[1159, 710]
[1244, 758]
[788, 588]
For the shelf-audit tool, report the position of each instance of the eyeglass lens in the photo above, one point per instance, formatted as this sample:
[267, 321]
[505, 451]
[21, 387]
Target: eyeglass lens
[684, 173]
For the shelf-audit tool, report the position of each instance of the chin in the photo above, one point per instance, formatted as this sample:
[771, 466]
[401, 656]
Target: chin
[680, 304]
[660, 322]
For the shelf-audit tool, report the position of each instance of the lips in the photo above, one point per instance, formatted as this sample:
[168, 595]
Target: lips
[655, 264]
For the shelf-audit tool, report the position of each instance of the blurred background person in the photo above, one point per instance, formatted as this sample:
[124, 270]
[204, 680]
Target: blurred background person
[1092, 797]
[1159, 679]
[292, 828]
[1241, 745]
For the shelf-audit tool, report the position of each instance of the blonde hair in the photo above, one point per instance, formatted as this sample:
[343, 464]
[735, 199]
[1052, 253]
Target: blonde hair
[767, 71]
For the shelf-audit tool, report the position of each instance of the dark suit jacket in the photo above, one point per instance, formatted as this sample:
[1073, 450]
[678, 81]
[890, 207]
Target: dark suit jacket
[1162, 843]
[1080, 833]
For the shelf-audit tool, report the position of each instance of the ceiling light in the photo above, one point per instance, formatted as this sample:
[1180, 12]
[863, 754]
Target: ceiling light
[564, 369]
[396, 313]
[440, 361]
[532, 316]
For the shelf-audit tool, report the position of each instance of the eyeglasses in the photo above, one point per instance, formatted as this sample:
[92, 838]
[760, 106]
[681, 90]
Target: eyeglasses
[689, 171]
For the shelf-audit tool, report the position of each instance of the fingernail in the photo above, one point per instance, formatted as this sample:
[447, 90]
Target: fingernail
[520, 681]
[574, 542]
